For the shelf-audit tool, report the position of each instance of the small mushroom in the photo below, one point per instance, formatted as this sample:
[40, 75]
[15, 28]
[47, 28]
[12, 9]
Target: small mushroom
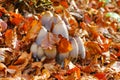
[46, 19]
[40, 52]
[61, 57]
[81, 47]
[34, 49]
[51, 53]
[74, 52]
[43, 32]
[60, 28]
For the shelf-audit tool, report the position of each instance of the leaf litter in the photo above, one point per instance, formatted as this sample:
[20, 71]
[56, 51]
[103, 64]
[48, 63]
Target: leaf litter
[98, 18]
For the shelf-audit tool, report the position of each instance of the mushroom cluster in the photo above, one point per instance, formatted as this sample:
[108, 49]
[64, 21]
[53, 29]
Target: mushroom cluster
[58, 37]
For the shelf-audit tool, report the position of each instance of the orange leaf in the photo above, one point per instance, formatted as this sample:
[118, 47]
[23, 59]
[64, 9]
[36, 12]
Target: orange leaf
[13, 67]
[64, 45]
[9, 37]
[86, 69]
[2, 66]
[22, 58]
[93, 31]
[58, 10]
[74, 26]
[59, 77]
[94, 47]
[15, 18]
[118, 54]
[104, 47]
[118, 2]
[83, 25]
[101, 76]
[64, 3]
[36, 65]
[76, 70]
[33, 31]
[25, 27]
[3, 10]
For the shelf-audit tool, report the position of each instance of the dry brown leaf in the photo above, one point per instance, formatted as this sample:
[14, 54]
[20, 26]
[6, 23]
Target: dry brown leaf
[2, 66]
[49, 41]
[13, 67]
[26, 62]
[22, 58]
[7, 79]
[36, 65]
[74, 72]
[9, 37]
[73, 24]
[32, 33]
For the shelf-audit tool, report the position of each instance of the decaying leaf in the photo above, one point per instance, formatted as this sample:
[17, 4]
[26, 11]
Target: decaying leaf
[32, 33]
[45, 75]
[36, 64]
[2, 66]
[9, 37]
[22, 58]
[49, 41]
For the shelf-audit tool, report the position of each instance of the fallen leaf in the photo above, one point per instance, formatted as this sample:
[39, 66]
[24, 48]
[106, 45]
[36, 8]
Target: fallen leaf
[49, 41]
[75, 70]
[9, 37]
[93, 47]
[16, 18]
[64, 45]
[32, 33]
[64, 3]
[22, 58]
[101, 76]
[2, 66]
[36, 65]
[59, 77]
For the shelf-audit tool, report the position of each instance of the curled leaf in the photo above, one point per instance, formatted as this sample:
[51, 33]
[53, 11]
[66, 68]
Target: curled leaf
[64, 45]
